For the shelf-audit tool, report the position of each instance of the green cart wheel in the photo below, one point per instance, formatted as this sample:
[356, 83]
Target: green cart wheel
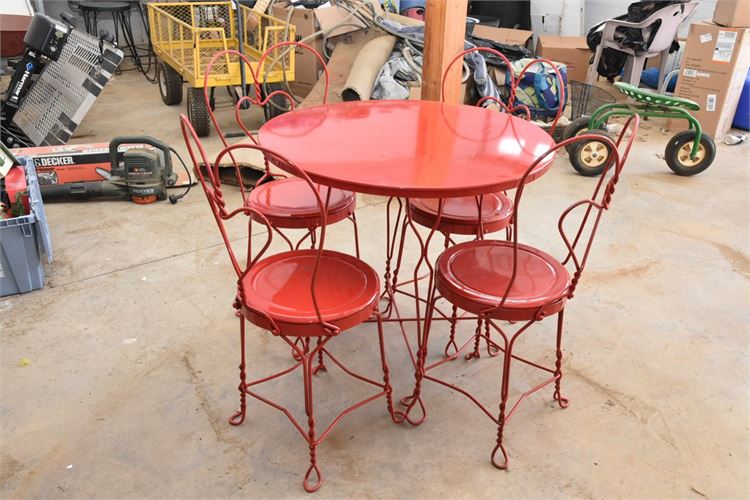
[590, 157]
[679, 149]
[576, 127]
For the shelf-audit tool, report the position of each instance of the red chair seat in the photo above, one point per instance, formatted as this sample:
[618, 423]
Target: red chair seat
[475, 275]
[347, 291]
[289, 203]
[460, 214]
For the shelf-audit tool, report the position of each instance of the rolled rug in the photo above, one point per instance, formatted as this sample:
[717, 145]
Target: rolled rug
[366, 67]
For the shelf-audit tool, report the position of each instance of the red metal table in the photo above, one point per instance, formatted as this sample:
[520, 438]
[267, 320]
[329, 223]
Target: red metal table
[409, 149]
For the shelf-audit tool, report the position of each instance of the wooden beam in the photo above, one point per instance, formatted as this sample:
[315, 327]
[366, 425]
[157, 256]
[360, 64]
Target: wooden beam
[445, 29]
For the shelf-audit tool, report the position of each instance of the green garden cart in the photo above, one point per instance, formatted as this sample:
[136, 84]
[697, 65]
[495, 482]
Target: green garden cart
[687, 153]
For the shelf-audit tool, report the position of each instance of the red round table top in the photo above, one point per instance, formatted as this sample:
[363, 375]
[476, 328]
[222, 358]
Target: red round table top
[409, 148]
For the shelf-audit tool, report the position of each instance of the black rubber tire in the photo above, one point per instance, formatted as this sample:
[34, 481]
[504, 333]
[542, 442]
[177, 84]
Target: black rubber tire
[278, 105]
[581, 156]
[198, 112]
[170, 84]
[574, 128]
[675, 155]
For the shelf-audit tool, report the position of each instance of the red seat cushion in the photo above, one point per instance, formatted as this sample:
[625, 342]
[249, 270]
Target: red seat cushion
[279, 286]
[460, 214]
[475, 276]
[290, 203]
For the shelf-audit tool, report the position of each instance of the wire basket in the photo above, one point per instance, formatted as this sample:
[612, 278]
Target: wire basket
[585, 99]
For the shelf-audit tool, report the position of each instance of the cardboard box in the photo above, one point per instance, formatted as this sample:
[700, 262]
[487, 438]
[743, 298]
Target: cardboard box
[505, 35]
[307, 67]
[348, 38]
[569, 50]
[732, 13]
[712, 73]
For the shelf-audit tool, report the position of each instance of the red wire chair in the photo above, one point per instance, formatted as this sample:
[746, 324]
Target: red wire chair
[509, 281]
[462, 215]
[284, 201]
[455, 215]
[298, 295]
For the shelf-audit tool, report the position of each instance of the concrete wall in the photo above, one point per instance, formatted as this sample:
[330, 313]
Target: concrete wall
[559, 17]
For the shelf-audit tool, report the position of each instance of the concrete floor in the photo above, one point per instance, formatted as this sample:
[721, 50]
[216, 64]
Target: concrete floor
[132, 353]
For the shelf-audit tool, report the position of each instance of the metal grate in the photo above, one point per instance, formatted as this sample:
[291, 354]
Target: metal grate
[585, 99]
[262, 32]
[187, 35]
[66, 89]
[184, 28]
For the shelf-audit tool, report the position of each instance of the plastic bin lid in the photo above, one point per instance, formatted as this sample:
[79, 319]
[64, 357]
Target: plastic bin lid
[37, 207]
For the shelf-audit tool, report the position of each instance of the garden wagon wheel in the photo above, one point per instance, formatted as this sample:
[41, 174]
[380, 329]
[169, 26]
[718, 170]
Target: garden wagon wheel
[197, 112]
[170, 83]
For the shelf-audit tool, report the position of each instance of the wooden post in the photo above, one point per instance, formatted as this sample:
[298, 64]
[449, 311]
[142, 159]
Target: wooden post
[444, 32]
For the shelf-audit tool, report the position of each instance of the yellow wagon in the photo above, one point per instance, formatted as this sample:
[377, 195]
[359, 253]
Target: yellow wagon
[186, 35]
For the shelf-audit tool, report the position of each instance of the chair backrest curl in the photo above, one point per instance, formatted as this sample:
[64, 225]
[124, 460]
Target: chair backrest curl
[578, 246]
[211, 184]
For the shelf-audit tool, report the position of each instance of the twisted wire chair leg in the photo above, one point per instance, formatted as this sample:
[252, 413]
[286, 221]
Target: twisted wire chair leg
[239, 415]
[311, 438]
[320, 367]
[501, 416]
[353, 218]
[557, 396]
[492, 349]
[452, 337]
[477, 335]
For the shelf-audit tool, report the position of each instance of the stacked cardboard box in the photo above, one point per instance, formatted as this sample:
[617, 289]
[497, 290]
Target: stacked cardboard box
[712, 73]
[732, 13]
[308, 68]
[569, 50]
[505, 35]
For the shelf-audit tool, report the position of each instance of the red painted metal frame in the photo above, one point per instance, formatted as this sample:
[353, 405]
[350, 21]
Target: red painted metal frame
[434, 149]
[525, 141]
[589, 223]
[292, 219]
[479, 226]
[308, 355]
